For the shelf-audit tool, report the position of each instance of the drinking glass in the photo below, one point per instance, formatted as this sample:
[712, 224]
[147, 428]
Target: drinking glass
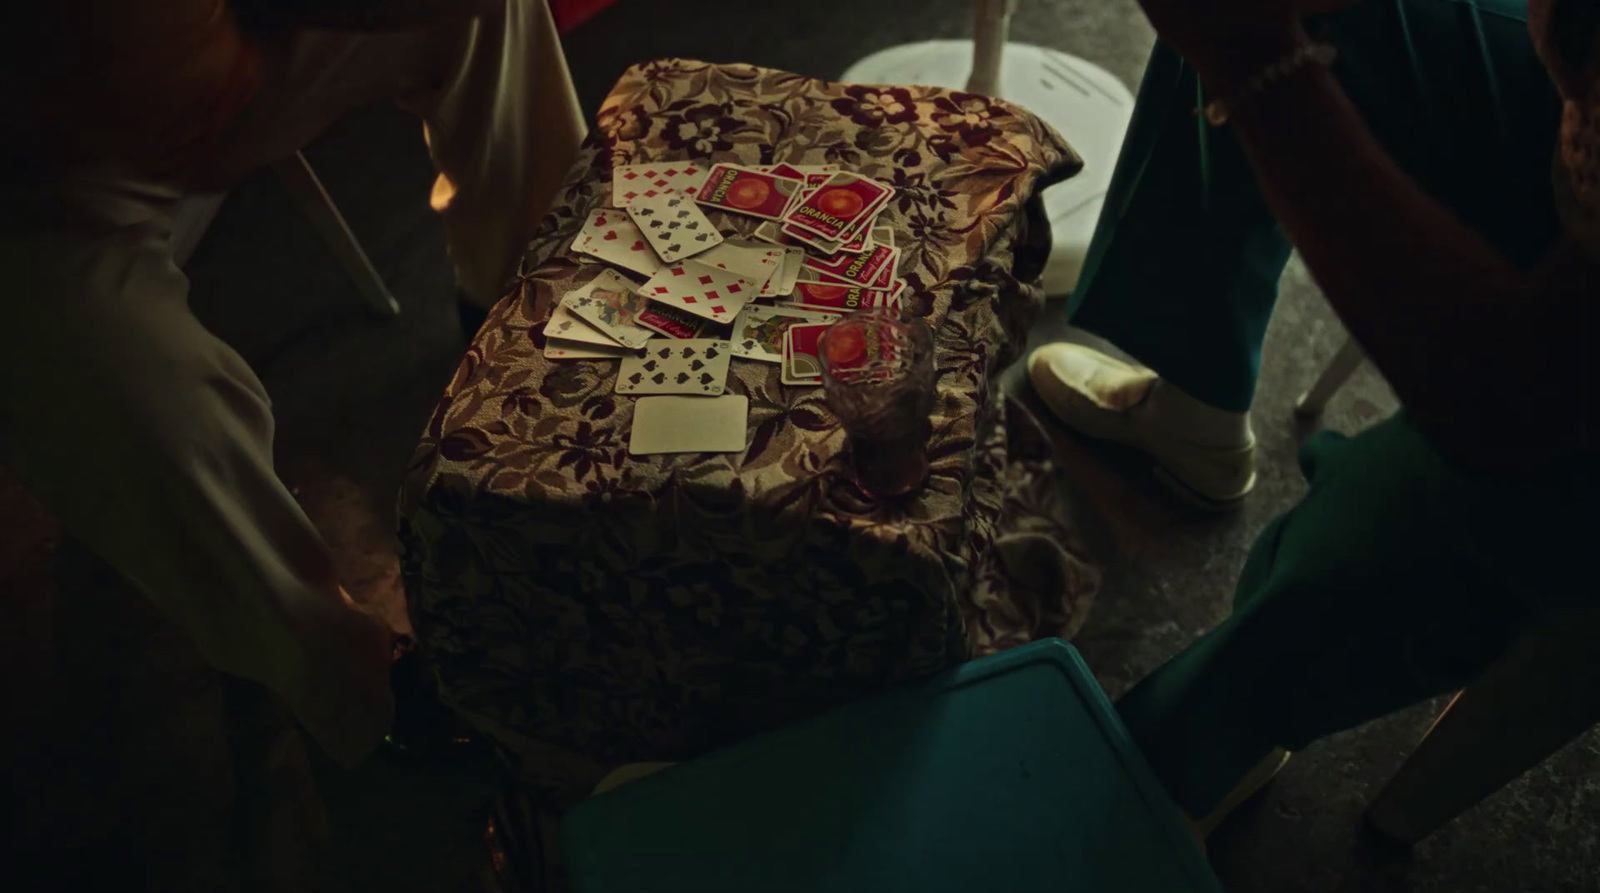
[877, 372]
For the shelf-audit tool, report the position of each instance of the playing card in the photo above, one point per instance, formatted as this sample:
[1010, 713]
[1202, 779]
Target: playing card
[830, 297]
[758, 332]
[705, 291]
[839, 206]
[811, 240]
[674, 226]
[793, 262]
[801, 366]
[857, 269]
[612, 237]
[753, 261]
[631, 182]
[565, 325]
[886, 279]
[866, 237]
[772, 231]
[610, 304]
[671, 366]
[689, 425]
[559, 349]
[785, 169]
[673, 322]
[746, 191]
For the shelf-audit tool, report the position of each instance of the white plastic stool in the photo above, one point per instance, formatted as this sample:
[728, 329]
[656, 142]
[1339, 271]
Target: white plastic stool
[1083, 102]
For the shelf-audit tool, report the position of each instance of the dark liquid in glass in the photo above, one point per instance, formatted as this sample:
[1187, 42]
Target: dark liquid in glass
[891, 466]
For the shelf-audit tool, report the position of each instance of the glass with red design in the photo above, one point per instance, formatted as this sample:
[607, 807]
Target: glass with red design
[877, 372]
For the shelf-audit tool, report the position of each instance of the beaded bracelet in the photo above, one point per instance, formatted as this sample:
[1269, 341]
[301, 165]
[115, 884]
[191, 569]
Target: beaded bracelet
[1218, 111]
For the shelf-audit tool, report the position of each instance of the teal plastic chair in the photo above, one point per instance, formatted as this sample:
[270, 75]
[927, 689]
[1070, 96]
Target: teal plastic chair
[1011, 773]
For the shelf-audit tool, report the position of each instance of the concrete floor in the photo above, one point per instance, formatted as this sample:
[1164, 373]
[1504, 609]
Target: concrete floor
[156, 768]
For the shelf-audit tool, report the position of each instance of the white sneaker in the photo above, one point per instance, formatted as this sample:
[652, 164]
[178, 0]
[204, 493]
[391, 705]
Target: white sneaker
[1204, 454]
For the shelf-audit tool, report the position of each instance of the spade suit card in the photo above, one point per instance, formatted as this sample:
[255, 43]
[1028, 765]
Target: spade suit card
[674, 226]
[677, 366]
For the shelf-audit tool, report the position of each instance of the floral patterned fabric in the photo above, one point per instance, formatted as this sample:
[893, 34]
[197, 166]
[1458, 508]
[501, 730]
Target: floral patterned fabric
[587, 608]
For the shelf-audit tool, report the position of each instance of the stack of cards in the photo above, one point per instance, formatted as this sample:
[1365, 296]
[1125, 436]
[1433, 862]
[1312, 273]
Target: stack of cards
[837, 212]
[801, 364]
[832, 297]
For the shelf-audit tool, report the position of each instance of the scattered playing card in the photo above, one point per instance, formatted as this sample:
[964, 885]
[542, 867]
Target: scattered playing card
[673, 322]
[831, 297]
[610, 236]
[704, 291]
[752, 260]
[857, 269]
[557, 349]
[631, 182]
[801, 365]
[690, 425]
[772, 231]
[746, 191]
[759, 330]
[674, 226]
[839, 206]
[671, 366]
[811, 240]
[567, 326]
[610, 304]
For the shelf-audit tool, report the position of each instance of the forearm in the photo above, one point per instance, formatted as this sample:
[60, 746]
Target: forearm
[1478, 351]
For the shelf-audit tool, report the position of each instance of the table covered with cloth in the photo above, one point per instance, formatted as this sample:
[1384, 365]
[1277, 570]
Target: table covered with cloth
[585, 607]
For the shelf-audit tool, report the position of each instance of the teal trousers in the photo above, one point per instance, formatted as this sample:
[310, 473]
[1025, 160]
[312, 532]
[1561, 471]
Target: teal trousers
[1397, 577]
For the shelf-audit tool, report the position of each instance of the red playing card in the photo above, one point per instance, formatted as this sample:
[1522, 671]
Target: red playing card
[746, 191]
[810, 239]
[800, 362]
[839, 206]
[669, 321]
[858, 269]
[839, 298]
[886, 280]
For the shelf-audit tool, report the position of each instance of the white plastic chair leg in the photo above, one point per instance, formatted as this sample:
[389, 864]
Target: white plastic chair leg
[1338, 371]
[313, 199]
[991, 24]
